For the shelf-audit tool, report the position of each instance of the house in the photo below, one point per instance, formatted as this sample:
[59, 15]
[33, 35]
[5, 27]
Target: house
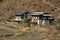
[19, 15]
[42, 18]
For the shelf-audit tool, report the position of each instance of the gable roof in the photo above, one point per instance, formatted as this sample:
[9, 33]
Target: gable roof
[42, 13]
[37, 13]
[51, 18]
[47, 15]
[20, 12]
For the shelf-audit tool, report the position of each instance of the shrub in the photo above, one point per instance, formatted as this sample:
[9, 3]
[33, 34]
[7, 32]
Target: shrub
[58, 21]
[43, 35]
[58, 27]
[10, 7]
[25, 22]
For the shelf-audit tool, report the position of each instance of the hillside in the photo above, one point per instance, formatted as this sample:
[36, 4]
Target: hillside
[18, 31]
[7, 7]
[15, 31]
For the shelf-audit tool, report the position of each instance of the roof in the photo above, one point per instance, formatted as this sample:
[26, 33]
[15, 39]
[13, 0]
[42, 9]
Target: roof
[47, 15]
[42, 13]
[50, 18]
[20, 12]
[37, 13]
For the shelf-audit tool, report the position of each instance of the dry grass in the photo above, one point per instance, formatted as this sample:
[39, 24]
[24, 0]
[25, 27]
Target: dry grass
[9, 6]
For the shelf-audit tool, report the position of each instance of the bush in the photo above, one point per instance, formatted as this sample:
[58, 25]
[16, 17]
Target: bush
[58, 21]
[10, 7]
[25, 22]
[43, 35]
[58, 27]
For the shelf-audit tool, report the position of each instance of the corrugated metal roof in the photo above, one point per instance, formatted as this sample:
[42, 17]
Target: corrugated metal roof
[37, 13]
[47, 15]
[43, 13]
[20, 12]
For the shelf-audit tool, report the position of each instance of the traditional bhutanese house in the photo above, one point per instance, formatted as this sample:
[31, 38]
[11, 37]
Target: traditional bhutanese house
[19, 15]
[48, 18]
[42, 18]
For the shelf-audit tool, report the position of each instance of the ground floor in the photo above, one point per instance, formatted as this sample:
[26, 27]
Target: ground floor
[47, 21]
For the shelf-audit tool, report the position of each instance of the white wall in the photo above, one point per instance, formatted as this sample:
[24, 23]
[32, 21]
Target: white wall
[43, 22]
[18, 19]
[39, 22]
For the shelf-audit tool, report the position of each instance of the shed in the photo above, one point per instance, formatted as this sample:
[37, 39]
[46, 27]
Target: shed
[19, 15]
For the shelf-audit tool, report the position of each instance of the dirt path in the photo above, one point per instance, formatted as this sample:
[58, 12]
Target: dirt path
[4, 27]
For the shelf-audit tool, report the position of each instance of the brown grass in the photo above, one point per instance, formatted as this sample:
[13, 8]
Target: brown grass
[9, 6]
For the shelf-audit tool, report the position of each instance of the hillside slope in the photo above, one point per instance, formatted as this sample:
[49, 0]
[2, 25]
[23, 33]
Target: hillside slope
[7, 7]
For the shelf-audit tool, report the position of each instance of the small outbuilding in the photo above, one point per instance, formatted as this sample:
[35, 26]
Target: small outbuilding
[19, 15]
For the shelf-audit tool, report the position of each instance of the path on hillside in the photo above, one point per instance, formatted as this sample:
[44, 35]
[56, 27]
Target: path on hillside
[4, 27]
[51, 4]
[9, 26]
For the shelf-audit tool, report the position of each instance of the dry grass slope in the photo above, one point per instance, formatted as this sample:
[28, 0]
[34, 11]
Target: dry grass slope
[7, 7]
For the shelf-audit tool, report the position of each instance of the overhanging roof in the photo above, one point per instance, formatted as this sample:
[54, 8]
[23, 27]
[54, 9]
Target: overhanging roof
[37, 13]
[47, 15]
[42, 13]
[20, 12]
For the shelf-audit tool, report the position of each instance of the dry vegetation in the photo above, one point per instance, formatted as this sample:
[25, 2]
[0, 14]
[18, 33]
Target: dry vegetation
[21, 32]
[7, 7]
